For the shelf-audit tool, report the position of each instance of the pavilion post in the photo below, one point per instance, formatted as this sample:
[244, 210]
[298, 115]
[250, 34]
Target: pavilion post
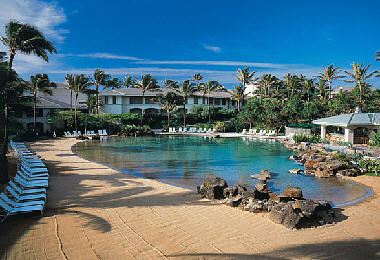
[323, 131]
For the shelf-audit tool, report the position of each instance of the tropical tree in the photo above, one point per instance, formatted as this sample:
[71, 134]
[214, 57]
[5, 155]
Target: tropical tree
[79, 84]
[308, 87]
[70, 86]
[184, 89]
[238, 95]
[359, 76]
[99, 78]
[146, 83]
[197, 78]
[207, 89]
[28, 40]
[168, 102]
[127, 81]
[329, 74]
[39, 83]
[321, 86]
[245, 76]
[266, 82]
[292, 84]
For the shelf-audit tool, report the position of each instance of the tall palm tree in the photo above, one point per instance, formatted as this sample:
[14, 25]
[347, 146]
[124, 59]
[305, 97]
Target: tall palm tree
[184, 89]
[359, 76]
[267, 81]
[127, 82]
[329, 74]
[70, 86]
[26, 39]
[207, 89]
[99, 78]
[168, 102]
[40, 83]
[238, 95]
[292, 83]
[146, 83]
[308, 87]
[197, 78]
[321, 86]
[245, 76]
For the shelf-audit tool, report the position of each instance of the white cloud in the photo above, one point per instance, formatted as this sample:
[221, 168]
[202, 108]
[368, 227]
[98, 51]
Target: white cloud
[101, 56]
[46, 16]
[215, 49]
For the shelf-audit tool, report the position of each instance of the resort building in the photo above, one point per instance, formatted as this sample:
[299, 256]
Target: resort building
[130, 100]
[251, 89]
[355, 128]
[47, 105]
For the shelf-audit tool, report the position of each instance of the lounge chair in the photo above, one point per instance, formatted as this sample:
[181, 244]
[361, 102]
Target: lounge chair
[26, 191]
[75, 134]
[185, 129]
[18, 197]
[105, 132]
[16, 204]
[79, 133]
[30, 184]
[204, 130]
[244, 132]
[31, 177]
[9, 210]
[100, 132]
[180, 130]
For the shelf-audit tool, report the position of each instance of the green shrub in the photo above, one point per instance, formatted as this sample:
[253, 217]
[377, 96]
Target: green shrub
[375, 139]
[370, 165]
[306, 138]
[342, 157]
[343, 143]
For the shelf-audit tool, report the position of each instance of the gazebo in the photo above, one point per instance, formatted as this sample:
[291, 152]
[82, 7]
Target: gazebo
[357, 126]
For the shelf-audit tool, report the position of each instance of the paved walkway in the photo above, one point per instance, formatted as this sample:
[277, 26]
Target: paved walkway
[95, 212]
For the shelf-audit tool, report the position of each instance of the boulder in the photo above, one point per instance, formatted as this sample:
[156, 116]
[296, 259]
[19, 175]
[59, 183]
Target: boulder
[234, 201]
[250, 193]
[353, 172]
[261, 186]
[284, 214]
[323, 173]
[233, 191]
[293, 192]
[212, 188]
[294, 158]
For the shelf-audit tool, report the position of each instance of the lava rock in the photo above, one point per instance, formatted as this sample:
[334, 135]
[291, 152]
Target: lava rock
[293, 192]
[233, 191]
[212, 188]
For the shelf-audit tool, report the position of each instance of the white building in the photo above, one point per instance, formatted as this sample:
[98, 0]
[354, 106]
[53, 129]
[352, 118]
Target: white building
[251, 89]
[130, 100]
[47, 105]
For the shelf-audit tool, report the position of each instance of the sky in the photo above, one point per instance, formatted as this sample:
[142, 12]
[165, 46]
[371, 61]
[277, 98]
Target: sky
[175, 39]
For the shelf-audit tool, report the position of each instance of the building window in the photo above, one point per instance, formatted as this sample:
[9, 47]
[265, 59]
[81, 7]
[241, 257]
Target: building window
[195, 100]
[136, 100]
[217, 101]
[224, 102]
[149, 100]
[114, 100]
[233, 102]
[39, 112]
[186, 101]
[107, 100]
[204, 101]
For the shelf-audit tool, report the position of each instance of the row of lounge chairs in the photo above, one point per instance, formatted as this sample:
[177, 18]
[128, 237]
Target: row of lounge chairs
[26, 193]
[191, 130]
[88, 133]
[259, 133]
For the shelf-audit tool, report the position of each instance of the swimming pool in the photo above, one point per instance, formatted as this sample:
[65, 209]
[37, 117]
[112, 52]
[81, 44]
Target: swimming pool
[186, 160]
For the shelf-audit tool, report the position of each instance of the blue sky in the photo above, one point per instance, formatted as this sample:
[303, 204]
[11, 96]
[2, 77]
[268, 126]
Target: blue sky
[175, 39]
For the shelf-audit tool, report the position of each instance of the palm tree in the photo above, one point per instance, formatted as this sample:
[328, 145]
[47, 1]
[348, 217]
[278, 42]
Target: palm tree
[292, 83]
[245, 76]
[197, 78]
[238, 94]
[329, 74]
[100, 78]
[40, 83]
[168, 102]
[28, 40]
[207, 88]
[267, 81]
[308, 87]
[70, 86]
[359, 76]
[127, 81]
[321, 85]
[147, 83]
[184, 89]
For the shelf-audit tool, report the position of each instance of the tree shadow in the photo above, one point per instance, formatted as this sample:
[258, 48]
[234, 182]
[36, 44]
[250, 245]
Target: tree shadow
[347, 249]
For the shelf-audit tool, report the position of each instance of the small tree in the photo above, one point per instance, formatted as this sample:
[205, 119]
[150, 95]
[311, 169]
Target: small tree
[329, 74]
[168, 102]
[39, 83]
[207, 89]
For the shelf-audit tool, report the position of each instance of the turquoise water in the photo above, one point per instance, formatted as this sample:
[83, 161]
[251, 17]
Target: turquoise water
[187, 160]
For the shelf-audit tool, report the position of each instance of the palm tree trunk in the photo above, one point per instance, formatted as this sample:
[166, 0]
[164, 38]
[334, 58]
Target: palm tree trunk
[167, 112]
[75, 112]
[34, 112]
[142, 110]
[97, 98]
[361, 94]
[71, 100]
[329, 89]
[184, 112]
[208, 105]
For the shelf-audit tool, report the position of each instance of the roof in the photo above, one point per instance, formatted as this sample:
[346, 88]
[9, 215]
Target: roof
[353, 119]
[138, 92]
[60, 98]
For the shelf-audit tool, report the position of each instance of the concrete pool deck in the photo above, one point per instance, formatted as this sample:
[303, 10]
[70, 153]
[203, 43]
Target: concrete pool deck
[95, 212]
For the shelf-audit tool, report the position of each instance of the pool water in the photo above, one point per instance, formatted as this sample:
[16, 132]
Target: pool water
[187, 160]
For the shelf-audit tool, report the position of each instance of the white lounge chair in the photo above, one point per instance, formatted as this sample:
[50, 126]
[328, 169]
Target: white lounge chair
[213, 130]
[180, 130]
[105, 132]
[244, 132]
[185, 129]
[100, 132]
[79, 133]
[75, 134]
[204, 130]
[92, 132]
